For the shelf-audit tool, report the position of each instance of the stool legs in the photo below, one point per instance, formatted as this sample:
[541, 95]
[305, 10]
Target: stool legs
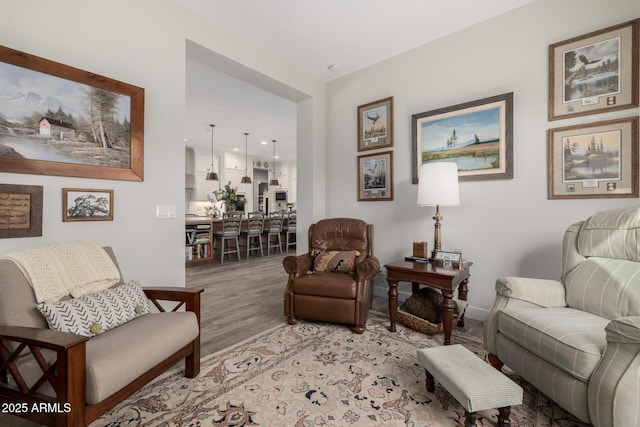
[470, 417]
[503, 416]
[431, 384]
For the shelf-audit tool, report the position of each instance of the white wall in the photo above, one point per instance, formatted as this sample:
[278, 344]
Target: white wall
[506, 227]
[142, 42]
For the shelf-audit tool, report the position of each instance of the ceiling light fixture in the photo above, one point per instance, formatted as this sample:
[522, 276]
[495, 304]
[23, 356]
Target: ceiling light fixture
[246, 179]
[274, 180]
[212, 175]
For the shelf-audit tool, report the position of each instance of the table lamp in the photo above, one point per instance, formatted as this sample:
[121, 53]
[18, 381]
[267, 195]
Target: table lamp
[438, 186]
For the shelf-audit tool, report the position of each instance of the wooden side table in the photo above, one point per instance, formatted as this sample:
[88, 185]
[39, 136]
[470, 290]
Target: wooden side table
[447, 280]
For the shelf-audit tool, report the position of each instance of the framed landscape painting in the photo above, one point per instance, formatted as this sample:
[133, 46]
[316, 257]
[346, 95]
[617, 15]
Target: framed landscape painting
[60, 120]
[477, 135]
[375, 176]
[375, 125]
[595, 72]
[597, 160]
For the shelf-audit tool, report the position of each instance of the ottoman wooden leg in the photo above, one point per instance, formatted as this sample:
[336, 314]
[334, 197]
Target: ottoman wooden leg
[431, 384]
[469, 419]
[503, 416]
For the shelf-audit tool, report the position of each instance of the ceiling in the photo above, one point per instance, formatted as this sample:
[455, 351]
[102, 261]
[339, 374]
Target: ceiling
[327, 38]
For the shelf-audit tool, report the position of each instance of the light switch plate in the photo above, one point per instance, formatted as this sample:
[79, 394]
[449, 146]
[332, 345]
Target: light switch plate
[165, 211]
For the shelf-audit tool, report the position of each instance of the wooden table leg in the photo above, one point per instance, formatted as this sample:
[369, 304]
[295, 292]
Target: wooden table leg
[447, 315]
[393, 303]
[463, 289]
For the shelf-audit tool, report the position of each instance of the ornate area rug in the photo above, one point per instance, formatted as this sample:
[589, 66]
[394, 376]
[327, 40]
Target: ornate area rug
[317, 374]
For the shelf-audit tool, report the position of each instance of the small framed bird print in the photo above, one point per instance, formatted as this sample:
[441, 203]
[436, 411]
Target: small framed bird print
[375, 124]
[595, 72]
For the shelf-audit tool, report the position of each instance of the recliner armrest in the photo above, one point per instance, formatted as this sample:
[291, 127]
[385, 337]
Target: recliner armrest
[297, 264]
[624, 330]
[613, 393]
[542, 292]
[368, 268]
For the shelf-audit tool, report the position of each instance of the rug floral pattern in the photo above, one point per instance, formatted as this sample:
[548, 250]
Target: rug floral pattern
[318, 375]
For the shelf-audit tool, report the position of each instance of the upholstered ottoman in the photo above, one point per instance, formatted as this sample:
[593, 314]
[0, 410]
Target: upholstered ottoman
[476, 385]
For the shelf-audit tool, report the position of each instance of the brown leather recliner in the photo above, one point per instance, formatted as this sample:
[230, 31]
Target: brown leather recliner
[325, 284]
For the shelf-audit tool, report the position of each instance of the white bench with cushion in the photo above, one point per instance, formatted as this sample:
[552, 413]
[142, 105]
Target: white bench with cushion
[476, 385]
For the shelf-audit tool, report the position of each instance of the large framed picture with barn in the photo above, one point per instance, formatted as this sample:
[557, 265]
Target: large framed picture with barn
[477, 135]
[60, 120]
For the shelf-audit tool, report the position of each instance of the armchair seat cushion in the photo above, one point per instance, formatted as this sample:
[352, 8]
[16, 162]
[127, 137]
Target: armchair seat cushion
[569, 339]
[322, 284]
[142, 343]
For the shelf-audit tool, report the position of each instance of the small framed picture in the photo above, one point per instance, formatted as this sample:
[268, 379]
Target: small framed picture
[375, 125]
[595, 72]
[448, 259]
[79, 204]
[20, 210]
[597, 160]
[375, 176]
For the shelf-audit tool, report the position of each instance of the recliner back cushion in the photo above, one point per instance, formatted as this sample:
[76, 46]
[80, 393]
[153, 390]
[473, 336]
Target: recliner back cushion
[605, 287]
[611, 234]
[340, 234]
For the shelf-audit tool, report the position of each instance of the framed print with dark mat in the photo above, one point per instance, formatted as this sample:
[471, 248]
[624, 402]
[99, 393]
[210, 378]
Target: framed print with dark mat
[597, 160]
[375, 124]
[375, 176]
[595, 72]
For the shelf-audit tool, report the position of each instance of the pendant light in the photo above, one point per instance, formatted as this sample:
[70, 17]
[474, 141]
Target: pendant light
[274, 180]
[212, 175]
[246, 179]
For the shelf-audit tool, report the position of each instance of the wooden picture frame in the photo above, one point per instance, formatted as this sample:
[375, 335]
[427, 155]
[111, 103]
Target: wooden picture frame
[20, 210]
[595, 72]
[597, 160]
[375, 176]
[447, 259]
[375, 124]
[86, 204]
[91, 126]
[477, 135]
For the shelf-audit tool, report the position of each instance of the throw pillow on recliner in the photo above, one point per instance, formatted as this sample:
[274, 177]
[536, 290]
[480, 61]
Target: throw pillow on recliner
[90, 315]
[335, 261]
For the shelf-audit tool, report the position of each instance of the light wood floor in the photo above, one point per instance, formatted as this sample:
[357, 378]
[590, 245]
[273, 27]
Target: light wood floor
[243, 298]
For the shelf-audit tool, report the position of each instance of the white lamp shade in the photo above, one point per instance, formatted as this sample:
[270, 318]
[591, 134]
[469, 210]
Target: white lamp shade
[438, 184]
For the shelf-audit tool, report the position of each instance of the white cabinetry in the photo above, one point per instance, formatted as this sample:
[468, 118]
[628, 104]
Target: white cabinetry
[202, 166]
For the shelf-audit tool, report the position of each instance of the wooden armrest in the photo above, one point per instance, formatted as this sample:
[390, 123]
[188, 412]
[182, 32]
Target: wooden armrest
[189, 297]
[43, 338]
[172, 293]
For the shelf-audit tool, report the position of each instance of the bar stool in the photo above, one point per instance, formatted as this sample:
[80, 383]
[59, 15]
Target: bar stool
[274, 230]
[231, 224]
[290, 229]
[255, 227]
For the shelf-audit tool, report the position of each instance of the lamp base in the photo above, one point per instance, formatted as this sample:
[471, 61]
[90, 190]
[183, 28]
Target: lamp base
[437, 245]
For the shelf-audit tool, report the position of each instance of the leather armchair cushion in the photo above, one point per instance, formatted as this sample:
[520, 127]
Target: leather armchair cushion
[334, 285]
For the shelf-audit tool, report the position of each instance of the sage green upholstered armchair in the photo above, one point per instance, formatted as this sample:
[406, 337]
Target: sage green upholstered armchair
[577, 340]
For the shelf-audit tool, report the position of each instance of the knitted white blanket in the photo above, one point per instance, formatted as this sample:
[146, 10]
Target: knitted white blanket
[59, 269]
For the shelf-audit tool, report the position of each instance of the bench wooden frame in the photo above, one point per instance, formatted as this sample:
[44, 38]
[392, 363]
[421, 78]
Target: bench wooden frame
[66, 374]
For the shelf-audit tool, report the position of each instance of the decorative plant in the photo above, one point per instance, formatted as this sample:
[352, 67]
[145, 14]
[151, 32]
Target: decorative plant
[227, 194]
